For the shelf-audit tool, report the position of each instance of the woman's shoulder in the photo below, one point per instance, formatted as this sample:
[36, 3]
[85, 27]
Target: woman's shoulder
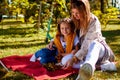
[94, 19]
[94, 23]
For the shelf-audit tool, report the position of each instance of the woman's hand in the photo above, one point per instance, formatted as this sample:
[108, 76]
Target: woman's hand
[63, 54]
[68, 64]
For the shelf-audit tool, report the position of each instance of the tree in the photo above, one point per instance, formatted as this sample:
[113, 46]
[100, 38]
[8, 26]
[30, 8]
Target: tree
[102, 5]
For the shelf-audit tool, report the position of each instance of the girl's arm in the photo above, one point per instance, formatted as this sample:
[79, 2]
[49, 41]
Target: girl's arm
[50, 45]
[73, 51]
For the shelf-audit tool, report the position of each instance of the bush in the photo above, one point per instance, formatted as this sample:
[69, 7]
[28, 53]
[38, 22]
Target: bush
[110, 13]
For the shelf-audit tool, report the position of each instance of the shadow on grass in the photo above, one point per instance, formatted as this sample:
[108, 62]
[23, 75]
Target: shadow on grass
[13, 76]
[23, 41]
[17, 31]
[111, 35]
[114, 22]
[116, 48]
[11, 23]
[22, 45]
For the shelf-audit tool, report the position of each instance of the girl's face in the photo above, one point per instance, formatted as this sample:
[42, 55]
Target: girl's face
[65, 29]
[76, 14]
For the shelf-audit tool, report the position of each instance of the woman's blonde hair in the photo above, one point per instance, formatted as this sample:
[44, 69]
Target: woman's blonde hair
[84, 7]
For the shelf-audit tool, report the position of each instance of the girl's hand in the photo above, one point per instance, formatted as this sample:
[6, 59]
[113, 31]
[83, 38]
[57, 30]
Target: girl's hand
[50, 46]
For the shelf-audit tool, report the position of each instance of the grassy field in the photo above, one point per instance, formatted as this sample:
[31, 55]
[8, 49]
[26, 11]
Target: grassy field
[23, 39]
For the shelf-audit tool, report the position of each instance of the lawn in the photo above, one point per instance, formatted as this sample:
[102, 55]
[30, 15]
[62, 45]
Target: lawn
[23, 39]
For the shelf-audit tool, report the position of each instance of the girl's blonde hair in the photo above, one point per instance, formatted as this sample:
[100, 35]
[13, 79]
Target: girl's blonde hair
[84, 7]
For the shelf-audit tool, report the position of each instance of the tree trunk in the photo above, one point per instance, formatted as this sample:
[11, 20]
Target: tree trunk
[102, 5]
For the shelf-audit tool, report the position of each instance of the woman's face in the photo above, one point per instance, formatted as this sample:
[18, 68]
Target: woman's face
[76, 14]
[65, 29]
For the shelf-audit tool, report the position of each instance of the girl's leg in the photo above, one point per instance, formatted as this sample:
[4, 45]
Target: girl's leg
[33, 58]
[42, 53]
[95, 51]
[36, 56]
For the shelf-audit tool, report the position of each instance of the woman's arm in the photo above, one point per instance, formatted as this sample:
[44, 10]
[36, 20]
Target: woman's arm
[75, 50]
[93, 33]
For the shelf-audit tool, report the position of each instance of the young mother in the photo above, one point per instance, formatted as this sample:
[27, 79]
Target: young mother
[93, 48]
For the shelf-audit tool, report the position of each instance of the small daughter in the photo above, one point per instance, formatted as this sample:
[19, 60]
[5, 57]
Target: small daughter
[66, 42]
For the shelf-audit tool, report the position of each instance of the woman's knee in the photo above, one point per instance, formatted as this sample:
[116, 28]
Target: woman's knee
[97, 46]
[100, 47]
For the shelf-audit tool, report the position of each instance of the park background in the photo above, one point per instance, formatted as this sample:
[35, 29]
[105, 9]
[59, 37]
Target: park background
[28, 25]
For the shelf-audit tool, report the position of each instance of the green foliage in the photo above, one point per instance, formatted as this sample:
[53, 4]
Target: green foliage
[98, 13]
[30, 9]
[95, 4]
[30, 12]
[110, 13]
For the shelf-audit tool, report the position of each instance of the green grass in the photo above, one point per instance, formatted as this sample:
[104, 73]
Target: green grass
[22, 39]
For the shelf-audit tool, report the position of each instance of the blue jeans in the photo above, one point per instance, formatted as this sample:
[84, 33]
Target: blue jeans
[46, 55]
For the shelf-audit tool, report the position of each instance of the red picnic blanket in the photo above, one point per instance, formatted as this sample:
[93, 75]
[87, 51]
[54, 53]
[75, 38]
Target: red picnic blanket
[34, 69]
